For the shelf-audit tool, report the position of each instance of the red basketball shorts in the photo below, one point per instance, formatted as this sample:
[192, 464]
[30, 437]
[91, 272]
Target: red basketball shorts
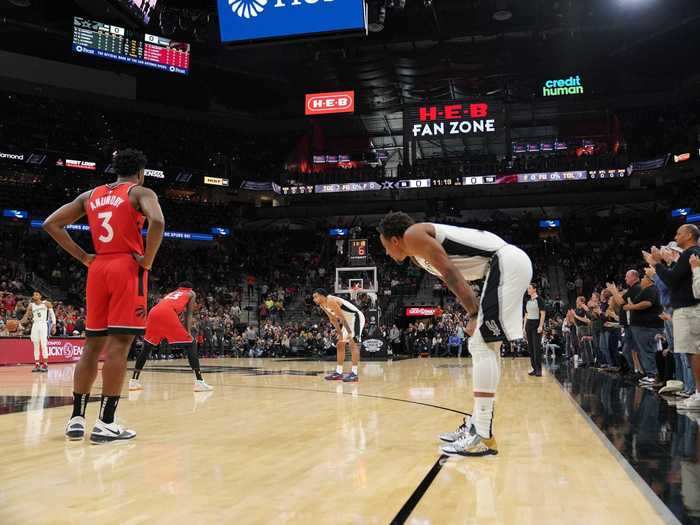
[164, 324]
[117, 289]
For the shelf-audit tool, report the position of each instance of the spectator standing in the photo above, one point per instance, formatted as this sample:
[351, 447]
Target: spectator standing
[646, 326]
[629, 345]
[686, 307]
[583, 331]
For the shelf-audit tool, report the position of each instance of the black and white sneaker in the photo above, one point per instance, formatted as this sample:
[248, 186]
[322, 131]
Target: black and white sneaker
[451, 437]
[75, 429]
[106, 432]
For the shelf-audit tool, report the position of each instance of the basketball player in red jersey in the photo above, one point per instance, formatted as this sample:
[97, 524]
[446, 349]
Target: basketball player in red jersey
[163, 323]
[117, 286]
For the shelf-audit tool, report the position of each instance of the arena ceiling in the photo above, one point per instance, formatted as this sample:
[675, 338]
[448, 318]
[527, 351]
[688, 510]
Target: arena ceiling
[427, 50]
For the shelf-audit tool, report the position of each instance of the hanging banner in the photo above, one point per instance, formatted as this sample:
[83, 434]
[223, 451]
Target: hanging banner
[453, 119]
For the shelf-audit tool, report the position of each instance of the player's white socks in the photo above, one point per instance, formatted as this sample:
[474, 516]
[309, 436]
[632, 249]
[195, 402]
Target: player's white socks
[354, 369]
[339, 369]
[483, 415]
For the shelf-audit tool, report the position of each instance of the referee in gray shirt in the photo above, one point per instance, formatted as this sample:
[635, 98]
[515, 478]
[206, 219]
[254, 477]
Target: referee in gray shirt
[534, 327]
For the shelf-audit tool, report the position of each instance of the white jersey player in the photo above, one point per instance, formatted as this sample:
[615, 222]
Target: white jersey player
[348, 321]
[458, 256]
[42, 314]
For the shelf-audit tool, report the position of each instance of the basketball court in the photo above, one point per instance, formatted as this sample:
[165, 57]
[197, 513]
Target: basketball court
[275, 443]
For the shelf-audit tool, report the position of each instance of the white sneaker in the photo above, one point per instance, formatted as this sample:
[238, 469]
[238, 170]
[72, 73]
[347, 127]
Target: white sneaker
[134, 384]
[451, 437]
[671, 387]
[646, 380]
[201, 386]
[471, 444]
[104, 433]
[692, 403]
[75, 429]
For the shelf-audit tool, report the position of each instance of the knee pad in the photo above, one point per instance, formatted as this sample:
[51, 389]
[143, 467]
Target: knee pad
[485, 364]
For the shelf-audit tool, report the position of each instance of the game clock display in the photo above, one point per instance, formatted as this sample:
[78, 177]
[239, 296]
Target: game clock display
[358, 250]
[128, 46]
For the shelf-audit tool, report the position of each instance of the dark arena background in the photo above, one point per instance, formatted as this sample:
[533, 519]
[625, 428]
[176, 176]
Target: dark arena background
[278, 134]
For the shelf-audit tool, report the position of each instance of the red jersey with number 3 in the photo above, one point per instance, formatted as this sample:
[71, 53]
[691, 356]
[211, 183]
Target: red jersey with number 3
[115, 225]
[177, 300]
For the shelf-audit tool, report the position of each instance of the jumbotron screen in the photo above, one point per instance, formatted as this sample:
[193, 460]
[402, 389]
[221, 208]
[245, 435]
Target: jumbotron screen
[129, 46]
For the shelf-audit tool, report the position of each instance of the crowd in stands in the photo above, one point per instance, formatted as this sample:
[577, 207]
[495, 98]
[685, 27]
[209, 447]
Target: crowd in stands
[630, 328]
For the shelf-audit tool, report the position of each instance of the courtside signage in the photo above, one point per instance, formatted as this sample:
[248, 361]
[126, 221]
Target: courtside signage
[250, 20]
[327, 103]
[422, 311]
[563, 86]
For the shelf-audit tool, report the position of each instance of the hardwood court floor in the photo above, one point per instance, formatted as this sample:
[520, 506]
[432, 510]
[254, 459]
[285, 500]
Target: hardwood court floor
[275, 443]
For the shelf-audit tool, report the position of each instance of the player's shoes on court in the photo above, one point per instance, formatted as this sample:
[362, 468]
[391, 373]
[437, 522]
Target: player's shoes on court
[37, 368]
[335, 376]
[352, 377]
[451, 437]
[201, 386]
[75, 429]
[44, 367]
[134, 384]
[471, 444]
[106, 432]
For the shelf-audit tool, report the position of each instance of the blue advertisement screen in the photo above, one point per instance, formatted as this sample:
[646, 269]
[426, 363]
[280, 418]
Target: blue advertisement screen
[549, 223]
[221, 232]
[338, 232]
[15, 214]
[681, 212]
[241, 20]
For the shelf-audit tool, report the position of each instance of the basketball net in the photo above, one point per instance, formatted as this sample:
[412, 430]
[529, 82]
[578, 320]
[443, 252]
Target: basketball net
[354, 291]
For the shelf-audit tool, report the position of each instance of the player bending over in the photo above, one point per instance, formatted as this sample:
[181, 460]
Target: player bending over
[348, 321]
[163, 323]
[457, 256]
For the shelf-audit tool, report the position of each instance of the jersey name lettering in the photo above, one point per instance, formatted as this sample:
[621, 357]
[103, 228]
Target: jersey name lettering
[110, 200]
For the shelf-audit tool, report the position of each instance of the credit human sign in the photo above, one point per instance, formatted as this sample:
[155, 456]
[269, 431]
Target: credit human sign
[563, 86]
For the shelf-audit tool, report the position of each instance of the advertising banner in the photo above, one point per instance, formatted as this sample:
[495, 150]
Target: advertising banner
[328, 103]
[374, 347]
[15, 350]
[421, 311]
[249, 20]
[453, 119]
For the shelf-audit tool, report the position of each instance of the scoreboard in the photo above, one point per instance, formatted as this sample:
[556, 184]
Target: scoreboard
[128, 46]
[358, 251]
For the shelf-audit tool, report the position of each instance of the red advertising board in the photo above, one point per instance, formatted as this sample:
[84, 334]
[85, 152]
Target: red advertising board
[15, 350]
[421, 311]
[327, 103]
